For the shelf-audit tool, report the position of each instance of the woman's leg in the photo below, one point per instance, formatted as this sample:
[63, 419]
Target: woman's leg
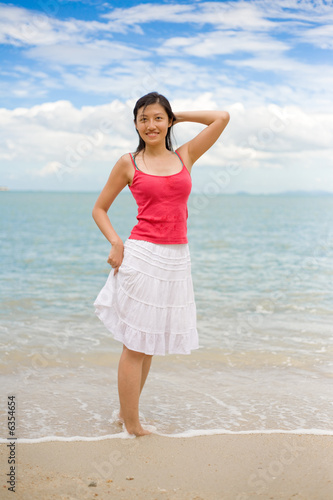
[133, 370]
[145, 369]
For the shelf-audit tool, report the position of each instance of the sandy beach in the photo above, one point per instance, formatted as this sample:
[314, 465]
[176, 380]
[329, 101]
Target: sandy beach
[215, 467]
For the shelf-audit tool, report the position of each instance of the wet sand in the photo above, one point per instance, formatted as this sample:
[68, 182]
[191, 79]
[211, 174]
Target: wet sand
[215, 467]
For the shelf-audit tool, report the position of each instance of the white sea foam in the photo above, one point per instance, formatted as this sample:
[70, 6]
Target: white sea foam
[214, 432]
[46, 439]
[187, 434]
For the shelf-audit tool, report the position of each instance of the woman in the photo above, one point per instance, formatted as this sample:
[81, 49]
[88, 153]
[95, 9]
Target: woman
[148, 301]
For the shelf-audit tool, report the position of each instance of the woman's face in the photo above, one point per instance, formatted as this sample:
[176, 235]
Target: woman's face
[152, 123]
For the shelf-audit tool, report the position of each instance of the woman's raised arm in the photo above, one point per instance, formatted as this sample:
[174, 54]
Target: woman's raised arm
[216, 122]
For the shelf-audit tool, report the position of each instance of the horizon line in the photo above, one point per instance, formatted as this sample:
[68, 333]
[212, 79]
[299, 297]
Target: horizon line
[237, 193]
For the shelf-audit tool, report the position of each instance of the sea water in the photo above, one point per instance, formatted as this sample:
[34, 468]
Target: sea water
[262, 270]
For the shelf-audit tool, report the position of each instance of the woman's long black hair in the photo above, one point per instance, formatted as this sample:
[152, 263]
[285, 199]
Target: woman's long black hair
[143, 102]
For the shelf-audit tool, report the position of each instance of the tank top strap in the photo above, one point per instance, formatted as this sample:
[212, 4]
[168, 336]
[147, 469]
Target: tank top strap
[180, 158]
[133, 161]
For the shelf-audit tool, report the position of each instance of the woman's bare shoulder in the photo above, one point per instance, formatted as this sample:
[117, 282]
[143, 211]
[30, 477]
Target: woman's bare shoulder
[125, 166]
[183, 153]
[125, 159]
[124, 162]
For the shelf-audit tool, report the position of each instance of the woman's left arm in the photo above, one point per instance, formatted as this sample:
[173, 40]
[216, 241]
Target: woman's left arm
[216, 122]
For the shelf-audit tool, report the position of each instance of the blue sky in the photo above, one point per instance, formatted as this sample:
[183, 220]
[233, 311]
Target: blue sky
[72, 71]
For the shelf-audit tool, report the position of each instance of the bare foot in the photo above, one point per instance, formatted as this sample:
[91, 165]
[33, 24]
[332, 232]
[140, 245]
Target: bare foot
[133, 427]
[120, 420]
[138, 431]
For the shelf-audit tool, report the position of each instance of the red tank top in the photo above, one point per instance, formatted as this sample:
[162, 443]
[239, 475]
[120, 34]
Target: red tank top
[162, 206]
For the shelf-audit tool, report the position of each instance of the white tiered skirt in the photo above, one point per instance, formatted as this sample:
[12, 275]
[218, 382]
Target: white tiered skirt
[149, 304]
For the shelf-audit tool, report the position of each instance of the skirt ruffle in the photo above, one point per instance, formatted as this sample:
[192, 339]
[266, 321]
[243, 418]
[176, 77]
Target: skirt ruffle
[149, 304]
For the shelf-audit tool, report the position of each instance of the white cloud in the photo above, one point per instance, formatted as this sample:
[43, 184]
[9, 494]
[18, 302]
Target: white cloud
[52, 167]
[60, 141]
[144, 13]
[223, 14]
[19, 26]
[58, 133]
[300, 10]
[223, 42]
[311, 83]
[320, 36]
[91, 54]
[254, 16]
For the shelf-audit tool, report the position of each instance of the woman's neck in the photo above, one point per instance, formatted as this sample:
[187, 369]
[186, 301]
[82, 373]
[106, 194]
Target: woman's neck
[158, 150]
